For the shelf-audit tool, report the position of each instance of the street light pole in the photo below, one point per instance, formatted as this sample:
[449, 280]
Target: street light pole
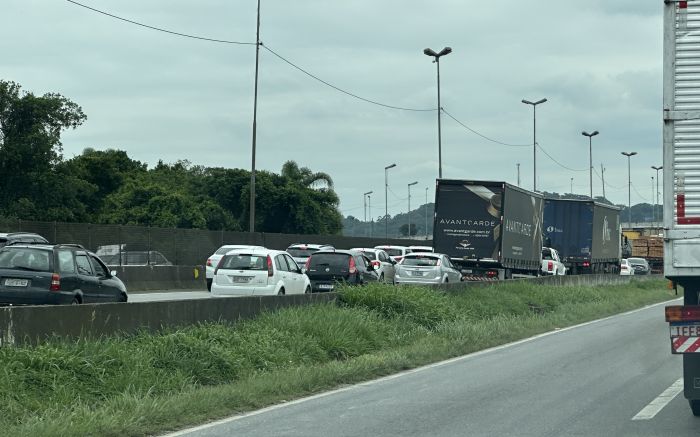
[386, 200]
[437, 56]
[534, 139]
[251, 225]
[590, 157]
[653, 213]
[409, 207]
[371, 220]
[572, 186]
[629, 187]
[426, 213]
[364, 200]
[657, 186]
[518, 164]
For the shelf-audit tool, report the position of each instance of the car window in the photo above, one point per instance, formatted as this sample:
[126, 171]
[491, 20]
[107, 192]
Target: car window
[100, 270]
[427, 261]
[293, 266]
[66, 261]
[394, 252]
[363, 262]
[243, 262]
[332, 260]
[370, 255]
[26, 259]
[281, 263]
[547, 254]
[83, 264]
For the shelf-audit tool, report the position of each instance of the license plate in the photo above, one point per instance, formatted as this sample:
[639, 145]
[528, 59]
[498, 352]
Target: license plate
[242, 279]
[16, 282]
[325, 286]
[685, 330]
[417, 273]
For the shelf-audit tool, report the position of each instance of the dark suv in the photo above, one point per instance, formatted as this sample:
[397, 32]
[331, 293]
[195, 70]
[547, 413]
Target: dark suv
[56, 274]
[7, 239]
[326, 268]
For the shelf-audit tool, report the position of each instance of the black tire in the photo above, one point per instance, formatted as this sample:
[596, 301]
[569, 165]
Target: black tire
[75, 301]
[381, 277]
[308, 290]
[446, 281]
[694, 406]
[281, 292]
[123, 298]
[209, 281]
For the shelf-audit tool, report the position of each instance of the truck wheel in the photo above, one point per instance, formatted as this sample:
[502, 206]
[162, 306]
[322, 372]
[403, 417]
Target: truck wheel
[695, 406]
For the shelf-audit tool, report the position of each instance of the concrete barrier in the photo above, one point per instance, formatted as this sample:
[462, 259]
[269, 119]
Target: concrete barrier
[32, 324]
[149, 278]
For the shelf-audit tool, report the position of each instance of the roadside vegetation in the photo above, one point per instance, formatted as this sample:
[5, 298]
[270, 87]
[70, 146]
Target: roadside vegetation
[144, 383]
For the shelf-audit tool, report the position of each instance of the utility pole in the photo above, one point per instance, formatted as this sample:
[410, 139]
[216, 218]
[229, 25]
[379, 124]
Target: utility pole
[518, 164]
[371, 220]
[653, 212]
[251, 226]
[602, 176]
[572, 185]
[426, 213]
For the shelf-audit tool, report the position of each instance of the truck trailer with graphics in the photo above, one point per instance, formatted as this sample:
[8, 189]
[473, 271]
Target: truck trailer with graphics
[585, 233]
[490, 230]
[681, 194]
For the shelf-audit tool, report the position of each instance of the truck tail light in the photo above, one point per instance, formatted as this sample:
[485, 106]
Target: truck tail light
[678, 313]
[550, 266]
[586, 264]
[55, 282]
[491, 274]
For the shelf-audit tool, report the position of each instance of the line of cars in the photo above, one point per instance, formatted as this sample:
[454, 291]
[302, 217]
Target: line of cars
[237, 270]
[634, 266]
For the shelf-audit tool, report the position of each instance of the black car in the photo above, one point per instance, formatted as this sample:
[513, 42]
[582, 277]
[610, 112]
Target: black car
[326, 268]
[10, 238]
[56, 274]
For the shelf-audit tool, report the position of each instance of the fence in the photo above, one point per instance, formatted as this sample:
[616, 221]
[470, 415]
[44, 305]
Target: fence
[140, 245]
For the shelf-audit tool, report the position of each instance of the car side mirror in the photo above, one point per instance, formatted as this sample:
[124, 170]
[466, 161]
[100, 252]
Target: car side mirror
[113, 273]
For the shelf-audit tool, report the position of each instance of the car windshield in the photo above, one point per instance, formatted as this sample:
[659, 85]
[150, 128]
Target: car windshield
[37, 260]
[427, 261]
[243, 262]
[297, 252]
[394, 252]
[371, 255]
[637, 260]
[333, 260]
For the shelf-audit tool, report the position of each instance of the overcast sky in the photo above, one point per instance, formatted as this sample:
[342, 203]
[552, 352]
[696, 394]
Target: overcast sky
[160, 96]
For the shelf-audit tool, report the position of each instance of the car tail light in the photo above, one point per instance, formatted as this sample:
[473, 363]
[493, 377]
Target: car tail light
[307, 265]
[376, 264]
[550, 266]
[677, 313]
[586, 264]
[352, 269]
[624, 267]
[269, 266]
[491, 274]
[55, 282]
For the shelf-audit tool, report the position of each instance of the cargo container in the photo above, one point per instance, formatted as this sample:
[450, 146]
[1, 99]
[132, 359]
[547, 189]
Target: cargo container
[490, 230]
[585, 233]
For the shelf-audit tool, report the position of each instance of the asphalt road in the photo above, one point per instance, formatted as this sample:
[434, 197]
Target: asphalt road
[590, 380]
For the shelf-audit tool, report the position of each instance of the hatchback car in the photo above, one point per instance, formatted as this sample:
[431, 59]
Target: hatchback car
[326, 269]
[640, 266]
[56, 274]
[395, 252]
[215, 257]
[625, 268]
[302, 252]
[427, 268]
[7, 239]
[383, 264]
[258, 272]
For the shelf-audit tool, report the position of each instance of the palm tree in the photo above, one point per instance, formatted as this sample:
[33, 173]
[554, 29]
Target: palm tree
[305, 177]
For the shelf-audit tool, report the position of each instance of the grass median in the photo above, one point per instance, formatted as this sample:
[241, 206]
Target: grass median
[148, 383]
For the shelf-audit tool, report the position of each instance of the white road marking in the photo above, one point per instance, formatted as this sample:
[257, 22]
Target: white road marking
[237, 417]
[660, 402]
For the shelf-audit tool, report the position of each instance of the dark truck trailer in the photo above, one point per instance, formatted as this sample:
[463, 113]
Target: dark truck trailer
[585, 233]
[490, 230]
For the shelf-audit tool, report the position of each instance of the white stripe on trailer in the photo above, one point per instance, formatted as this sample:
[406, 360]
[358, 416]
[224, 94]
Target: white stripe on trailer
[686, 344]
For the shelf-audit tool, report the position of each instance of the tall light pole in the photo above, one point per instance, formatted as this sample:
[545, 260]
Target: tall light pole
[572, 186]
[426, 213]
[629, 187]
[409, 206]
[386, 200]
[657, 186]
[437, 56]
[251, 225]
[653, 214]
[518, 165]
[369, 208]
[534, 139]
[590, 157]
[364, 201]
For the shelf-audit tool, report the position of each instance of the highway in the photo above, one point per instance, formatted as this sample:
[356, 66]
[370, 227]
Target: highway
[614, 377]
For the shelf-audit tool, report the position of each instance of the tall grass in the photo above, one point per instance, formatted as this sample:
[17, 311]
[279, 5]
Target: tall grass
[152, 382]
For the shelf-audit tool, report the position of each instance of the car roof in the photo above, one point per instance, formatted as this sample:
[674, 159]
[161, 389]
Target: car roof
[422, 255]
[311, 245]
[389, 246]
[367, 249]
[255, 250]
[344, 252]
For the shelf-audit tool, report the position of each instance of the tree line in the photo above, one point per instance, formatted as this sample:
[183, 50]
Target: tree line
[107, 186]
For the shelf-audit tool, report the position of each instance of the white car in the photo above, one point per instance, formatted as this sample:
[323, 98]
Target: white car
[395, 252]
[384, 265]
[626, 268]
[258, 272]
[427, 268]
[214, 259]
[551, 262]
[301, 252]
[421, 249]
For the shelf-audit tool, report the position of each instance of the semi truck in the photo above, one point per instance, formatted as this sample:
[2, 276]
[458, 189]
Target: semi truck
[490, 230]
[681, 182]
[585, 233]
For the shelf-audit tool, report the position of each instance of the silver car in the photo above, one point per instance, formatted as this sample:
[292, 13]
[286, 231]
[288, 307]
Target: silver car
[384, 265]
[426, 268]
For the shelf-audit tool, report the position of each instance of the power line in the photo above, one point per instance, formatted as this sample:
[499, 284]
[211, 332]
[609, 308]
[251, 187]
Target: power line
[159, 29]
[480, 134]
[640, 196]
[557, 162]
[342, 90]
[614, 187]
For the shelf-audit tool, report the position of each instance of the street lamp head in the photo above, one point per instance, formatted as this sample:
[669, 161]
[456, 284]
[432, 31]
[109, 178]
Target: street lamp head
[540, 101]
[527, 102]
[445, 51]
[430, 52]
[657, 168]
[629, 154]
[413, 183]
[368, 193]
[389, 166]
[595, 132]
